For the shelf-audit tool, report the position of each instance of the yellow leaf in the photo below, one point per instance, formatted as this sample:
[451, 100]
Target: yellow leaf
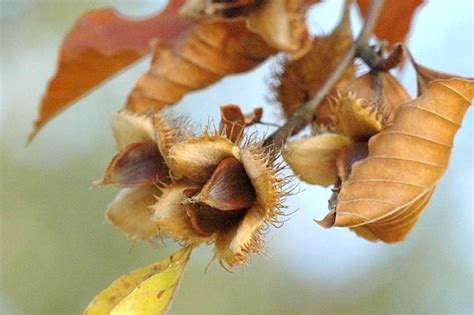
[148, 290]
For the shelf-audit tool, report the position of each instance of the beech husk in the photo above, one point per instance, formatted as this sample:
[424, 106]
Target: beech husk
[298, 80]
[130, 212]
[197, 158]
[313, 159]
[367, 104]
[209, 189]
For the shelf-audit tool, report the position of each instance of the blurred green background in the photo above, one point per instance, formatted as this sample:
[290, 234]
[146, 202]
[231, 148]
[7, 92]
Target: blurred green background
[57, 252]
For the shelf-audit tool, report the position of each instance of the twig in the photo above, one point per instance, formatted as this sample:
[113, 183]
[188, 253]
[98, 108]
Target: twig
[305, 113]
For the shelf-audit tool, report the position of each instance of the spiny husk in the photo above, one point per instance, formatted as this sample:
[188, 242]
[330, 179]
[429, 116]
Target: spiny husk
[170, 214]
[130, 212]
[356, 118]
[129, 128]
[233, 247]
[299, 79]
[196, 158]
[313, 159]
[379, 92]
[263, 172]
[170, 130]
[194, 162]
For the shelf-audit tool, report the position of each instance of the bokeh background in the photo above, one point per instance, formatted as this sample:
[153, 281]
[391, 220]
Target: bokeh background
[57, 251]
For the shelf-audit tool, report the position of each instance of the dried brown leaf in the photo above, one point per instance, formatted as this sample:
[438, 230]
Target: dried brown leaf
[233, 121]
[282, 24]
[386, 192]
[394, 22]
[261, 16]
[425, 75]
[101, 44]
[202, 56]
[199, 10]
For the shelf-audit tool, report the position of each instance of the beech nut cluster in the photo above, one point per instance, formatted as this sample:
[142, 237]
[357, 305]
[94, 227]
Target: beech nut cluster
[207, 188]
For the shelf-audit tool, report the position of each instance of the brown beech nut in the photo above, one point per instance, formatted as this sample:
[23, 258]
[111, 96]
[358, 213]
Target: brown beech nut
[229, 188]
[347, 156]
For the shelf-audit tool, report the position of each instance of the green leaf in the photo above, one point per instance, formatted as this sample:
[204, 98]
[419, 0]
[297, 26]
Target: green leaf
[148, 290]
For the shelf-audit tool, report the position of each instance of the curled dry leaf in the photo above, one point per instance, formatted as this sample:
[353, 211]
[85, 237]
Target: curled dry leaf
[425, 75]
[395, 57]
[300, 79]
[201, 10]
[291, 33]
[394, 22]
[148, 290]
[101, 44]
[387, 191]
[261, 16]
[202, 56]
[233, 121]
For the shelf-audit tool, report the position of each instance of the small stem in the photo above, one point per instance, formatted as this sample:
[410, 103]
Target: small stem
[305, 113]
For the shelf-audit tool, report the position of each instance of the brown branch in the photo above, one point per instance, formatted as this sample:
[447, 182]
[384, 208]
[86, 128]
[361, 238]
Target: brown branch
[305, 113]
